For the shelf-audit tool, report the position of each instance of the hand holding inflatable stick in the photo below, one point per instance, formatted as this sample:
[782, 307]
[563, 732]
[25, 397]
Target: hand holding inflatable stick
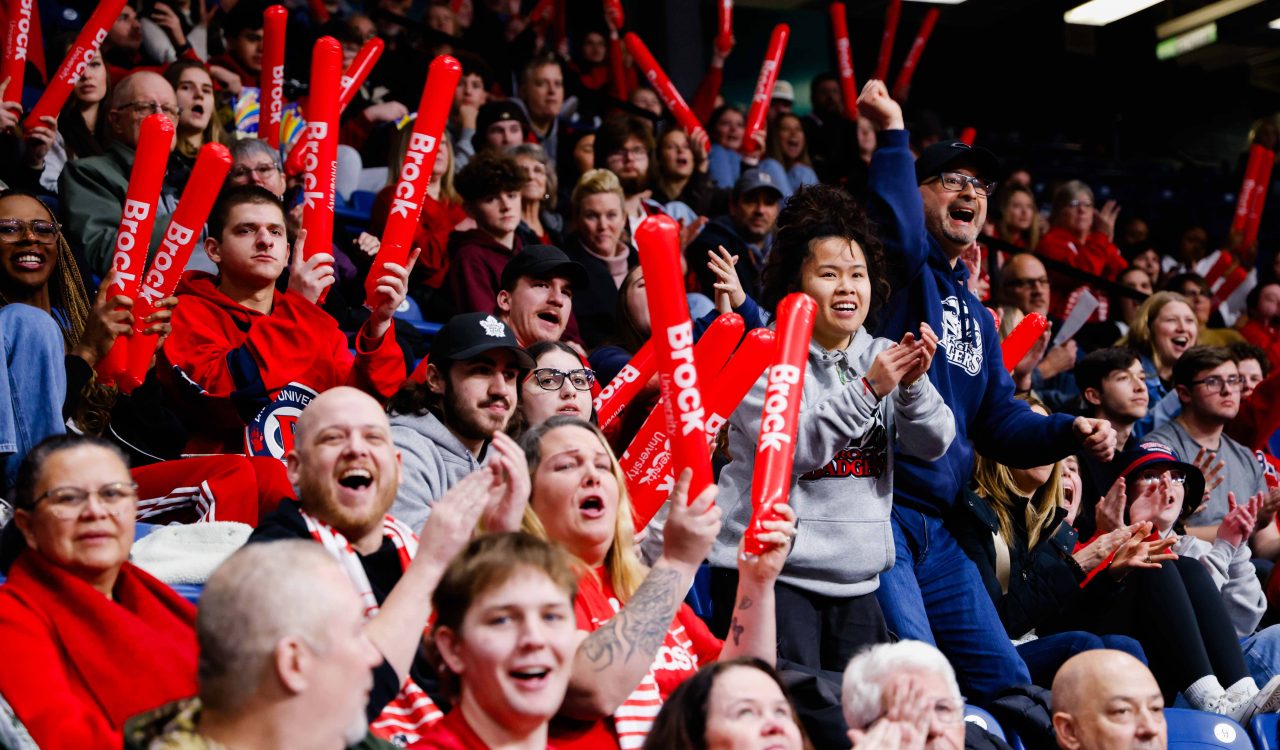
[658, 239]
[415, 170]
[134, 235]
[320, 159]
[764, 86]
[1022, 338]
[81, 52]
[775, 448]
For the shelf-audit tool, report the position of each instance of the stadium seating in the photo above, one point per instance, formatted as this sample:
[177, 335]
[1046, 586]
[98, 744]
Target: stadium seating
[1200, 730]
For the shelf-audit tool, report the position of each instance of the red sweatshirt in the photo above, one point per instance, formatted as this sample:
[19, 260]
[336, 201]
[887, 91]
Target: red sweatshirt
[476, 261]
[432, 235]
[1098, 256]
[239, 379]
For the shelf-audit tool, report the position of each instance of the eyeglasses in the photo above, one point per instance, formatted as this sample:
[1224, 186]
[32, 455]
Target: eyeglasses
[948, 711]
[13, 230]
[67, 503]
[1025, 283]
[1217, 382]
[549, 379]
[1195, 293]
[955, 182]
[1153, 476]
[635, 153]
[1080, 204]
[152, 108]
[262, 170]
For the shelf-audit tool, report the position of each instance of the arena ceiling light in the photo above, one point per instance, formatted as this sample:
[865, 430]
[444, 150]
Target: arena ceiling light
[1201, 16]
[1275, 24]
[1103, 12]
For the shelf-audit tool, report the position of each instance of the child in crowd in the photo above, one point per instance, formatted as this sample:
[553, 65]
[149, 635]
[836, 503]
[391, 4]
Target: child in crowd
[861, 396]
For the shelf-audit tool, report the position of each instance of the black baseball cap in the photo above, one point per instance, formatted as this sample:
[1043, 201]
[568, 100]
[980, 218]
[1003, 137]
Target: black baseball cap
[543, 262]
[469, 335]
[945, 156]
[493, 113]
[755, 179]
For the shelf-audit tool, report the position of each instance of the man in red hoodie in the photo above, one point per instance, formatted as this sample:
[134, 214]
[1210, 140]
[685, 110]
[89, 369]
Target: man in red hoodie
[244, 358]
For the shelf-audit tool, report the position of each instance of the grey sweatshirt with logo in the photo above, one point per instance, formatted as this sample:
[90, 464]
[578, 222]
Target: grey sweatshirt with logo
[842, 479]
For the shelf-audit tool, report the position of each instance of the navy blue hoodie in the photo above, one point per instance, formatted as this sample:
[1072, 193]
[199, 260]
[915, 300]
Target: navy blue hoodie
[968, 369]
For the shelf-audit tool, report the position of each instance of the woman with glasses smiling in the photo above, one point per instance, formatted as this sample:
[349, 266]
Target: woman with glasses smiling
[1082, 236]
[87, 639]
[559, 384]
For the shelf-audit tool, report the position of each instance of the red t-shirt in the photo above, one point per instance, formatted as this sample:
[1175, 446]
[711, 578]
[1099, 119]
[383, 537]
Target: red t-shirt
[689, 645]
[451, 733]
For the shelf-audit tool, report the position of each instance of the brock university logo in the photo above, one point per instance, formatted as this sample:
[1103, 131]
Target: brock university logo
[963, 351]
[271, 431]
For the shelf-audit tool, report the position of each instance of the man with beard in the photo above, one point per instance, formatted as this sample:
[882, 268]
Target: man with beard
[347, 471]
[929, 211]
[448, 425]
[625, 147]
[746, 232]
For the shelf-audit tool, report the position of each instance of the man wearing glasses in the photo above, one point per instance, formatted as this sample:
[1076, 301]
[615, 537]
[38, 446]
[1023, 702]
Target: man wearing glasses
[1208, 384]
[1024, 284]
[929, 211]
[93, 189]
[448, 426]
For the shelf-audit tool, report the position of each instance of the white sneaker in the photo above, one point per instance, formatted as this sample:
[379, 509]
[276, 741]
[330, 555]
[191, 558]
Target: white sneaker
[1243, 708]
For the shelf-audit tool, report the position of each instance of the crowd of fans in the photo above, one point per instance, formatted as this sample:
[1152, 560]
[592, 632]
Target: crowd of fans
[410, 528]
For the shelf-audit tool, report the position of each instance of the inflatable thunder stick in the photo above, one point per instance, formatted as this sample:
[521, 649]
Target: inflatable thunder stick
[775, 447]
[902, 86]
[81, 52]
[1229, 285]
[1220, 266]
[1020, 340]
[662, 85]
[724, 36]
[658, 240]
[968, 135]
[136, 221]
[732, 384]
[271, 108]
[1241, 217]
[625, 385]
[180, 239]
[17, 39]
[320, 160]
[1262, 178]
[319, 11]
[415, 170]
[891, 16]
[844, 59]
[352, 79]
[646, 463]
[764, 86]
[613, 12]
[541, 13]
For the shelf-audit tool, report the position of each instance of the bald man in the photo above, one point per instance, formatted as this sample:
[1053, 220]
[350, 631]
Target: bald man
[92, 189]
[347, 471]
[1107, 700]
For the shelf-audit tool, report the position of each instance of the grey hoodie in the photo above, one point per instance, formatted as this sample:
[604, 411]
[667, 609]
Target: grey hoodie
[842, 480]
[1233, 574]
[432, 461]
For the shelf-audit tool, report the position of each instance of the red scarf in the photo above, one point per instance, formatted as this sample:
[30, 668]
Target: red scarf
[128, 655]
[408, 715]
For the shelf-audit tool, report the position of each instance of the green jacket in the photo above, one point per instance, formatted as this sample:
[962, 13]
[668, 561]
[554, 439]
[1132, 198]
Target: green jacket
[93, 193]
[173, 727]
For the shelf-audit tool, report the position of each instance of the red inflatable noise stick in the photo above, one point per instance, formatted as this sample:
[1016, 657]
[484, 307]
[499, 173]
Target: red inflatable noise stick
[613, 11]
[320, 160]
[271, 107]
[133, 237]
[82, 51]
[646, 463]
[352, 79]
[658, 240]
[844, 59]
[764, 86]
[624, 387]
[415, 169]
[180, 240]
[724, 36]
[661, 84]
[775, 447]
[17, 39]
[1022, 338]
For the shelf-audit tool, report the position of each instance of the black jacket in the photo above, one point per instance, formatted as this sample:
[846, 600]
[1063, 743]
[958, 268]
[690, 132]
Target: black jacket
[1043, 581]
[721, 231]
[595, 307]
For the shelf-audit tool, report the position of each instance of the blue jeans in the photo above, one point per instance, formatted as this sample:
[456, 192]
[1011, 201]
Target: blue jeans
[933, 593]
[1262, 654]
[1045, 655]
[33, 385]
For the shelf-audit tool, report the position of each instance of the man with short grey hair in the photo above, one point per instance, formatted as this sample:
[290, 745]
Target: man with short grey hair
[284, 657]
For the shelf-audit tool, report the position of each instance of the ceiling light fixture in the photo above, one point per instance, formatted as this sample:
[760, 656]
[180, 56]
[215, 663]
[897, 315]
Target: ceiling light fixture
[1103, 12]
[1197, 18]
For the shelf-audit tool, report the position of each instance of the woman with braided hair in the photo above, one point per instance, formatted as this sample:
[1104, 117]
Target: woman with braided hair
[51, 334]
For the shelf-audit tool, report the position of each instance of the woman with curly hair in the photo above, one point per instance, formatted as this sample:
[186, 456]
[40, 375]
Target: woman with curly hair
[861, 395]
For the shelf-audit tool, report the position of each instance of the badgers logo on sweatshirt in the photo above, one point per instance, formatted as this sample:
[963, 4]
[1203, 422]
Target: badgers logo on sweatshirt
[271, 432]
[865, 457]
[961, 342]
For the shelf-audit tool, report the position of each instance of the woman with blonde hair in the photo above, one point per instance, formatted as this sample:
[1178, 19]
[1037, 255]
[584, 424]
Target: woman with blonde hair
[598, 240]
[1164, 327]
[643, 642]
[1019, 220]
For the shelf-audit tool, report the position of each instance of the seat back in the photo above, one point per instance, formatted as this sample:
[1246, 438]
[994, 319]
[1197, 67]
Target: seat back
[1201, 730]
[1265, 729]
[975, 715]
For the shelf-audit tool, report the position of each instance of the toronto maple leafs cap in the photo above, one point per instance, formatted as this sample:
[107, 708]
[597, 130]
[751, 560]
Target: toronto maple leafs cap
[469, 335]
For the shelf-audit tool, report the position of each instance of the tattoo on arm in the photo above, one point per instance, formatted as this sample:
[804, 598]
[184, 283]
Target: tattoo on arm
[641, 626]
[736, 628]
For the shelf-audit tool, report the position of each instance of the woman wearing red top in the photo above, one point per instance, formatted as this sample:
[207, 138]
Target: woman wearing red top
[86, 639]
[506, 641]
[1082, 237]
[643, 640]
[441, 211]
